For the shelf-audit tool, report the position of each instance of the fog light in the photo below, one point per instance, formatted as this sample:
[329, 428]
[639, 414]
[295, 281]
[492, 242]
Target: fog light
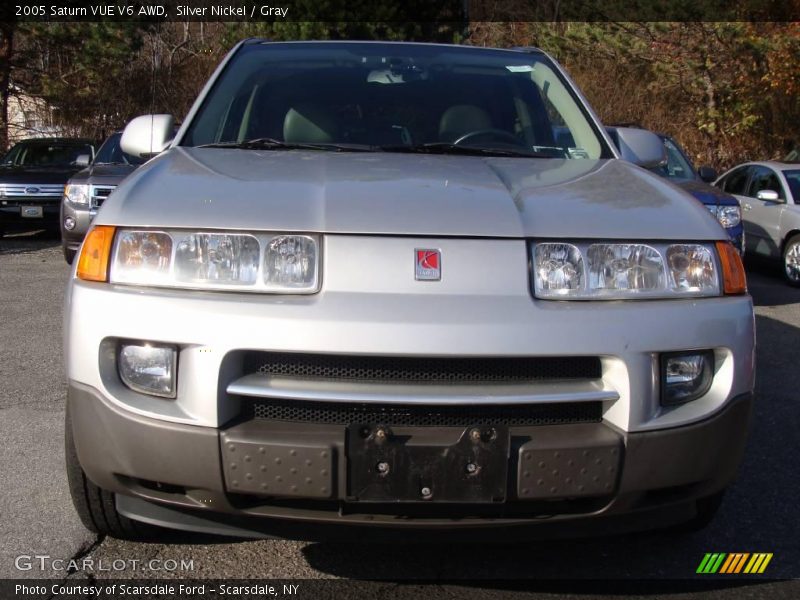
[69, 223]
[149, 368]
[685, 376]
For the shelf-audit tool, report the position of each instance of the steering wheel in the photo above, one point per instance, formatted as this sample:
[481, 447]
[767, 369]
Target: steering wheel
[497, 133]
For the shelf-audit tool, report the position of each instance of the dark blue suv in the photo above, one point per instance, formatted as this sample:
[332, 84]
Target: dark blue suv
[681, 172]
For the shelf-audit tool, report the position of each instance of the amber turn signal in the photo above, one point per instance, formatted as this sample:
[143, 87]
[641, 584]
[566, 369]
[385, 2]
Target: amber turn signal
[95, 253]
[734, 280]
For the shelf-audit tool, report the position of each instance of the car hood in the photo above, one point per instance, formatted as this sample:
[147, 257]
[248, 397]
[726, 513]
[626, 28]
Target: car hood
[103, 174]
[35, 175]
[707, 194]
[405, 194]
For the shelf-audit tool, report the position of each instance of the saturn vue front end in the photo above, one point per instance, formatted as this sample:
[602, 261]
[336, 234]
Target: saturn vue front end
[394, 287]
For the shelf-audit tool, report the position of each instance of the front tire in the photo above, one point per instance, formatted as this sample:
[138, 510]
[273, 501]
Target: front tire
[69, 255]
[95, 506]
[791, 261]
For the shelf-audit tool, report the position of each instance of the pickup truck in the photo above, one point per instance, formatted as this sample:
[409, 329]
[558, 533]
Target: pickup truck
[367, 289]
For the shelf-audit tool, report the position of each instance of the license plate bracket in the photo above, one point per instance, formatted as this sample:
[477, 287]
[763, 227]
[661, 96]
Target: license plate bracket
[31, 212]
[427, 464]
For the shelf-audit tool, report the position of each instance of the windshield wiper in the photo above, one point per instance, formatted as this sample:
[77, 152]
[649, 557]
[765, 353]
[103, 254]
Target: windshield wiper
[449, 148]
[273, 144]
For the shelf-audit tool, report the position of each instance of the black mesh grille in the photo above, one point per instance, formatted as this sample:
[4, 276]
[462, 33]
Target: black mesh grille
[424, 369]
[424, 416]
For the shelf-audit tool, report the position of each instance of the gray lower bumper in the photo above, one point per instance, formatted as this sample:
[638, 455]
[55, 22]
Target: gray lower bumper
[72, 239]
[179, 475]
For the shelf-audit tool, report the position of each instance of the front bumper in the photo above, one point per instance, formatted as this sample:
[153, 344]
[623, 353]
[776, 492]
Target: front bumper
[176, 475]
[83, 215]
[12, 214]
[737, 237]
[371, 309]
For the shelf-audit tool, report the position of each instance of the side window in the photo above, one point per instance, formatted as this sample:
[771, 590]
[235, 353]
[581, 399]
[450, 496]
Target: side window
[13, 155]
[765, 179]
[736, 181]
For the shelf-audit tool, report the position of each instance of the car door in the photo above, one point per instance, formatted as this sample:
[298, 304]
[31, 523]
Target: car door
[764, 216]
[736, 183]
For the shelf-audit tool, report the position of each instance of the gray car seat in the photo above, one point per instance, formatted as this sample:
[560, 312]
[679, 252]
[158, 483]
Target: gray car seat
[310, 124]
[461, 119]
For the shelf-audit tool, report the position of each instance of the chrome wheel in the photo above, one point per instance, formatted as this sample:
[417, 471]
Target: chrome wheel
[791, 262]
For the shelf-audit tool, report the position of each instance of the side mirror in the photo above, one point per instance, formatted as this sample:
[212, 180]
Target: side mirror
[83, 160]
[641, 147]
[707, 174]
[148, 135]
[768, 195]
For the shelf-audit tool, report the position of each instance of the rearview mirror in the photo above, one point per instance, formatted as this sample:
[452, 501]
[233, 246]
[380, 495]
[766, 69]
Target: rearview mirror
[768, 195]
[707, 174]
[148, 135]
[639, 146]
[83, 160]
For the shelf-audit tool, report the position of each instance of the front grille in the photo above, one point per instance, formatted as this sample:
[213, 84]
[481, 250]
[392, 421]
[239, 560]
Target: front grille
[333, 413]
[394, 369]
[100, 193]
[31, 191]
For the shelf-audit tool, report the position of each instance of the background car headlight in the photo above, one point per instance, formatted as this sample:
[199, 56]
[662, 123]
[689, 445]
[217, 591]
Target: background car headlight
[77, 193]
[251, 262]
[614, 270]
[728, 216]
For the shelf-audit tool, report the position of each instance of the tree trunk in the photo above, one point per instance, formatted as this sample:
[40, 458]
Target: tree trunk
[6, 51]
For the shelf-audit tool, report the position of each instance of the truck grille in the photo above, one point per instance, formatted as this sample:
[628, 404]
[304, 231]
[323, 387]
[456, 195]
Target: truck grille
[31, 191]
[333, 413]
[400, 369]
[100, 193]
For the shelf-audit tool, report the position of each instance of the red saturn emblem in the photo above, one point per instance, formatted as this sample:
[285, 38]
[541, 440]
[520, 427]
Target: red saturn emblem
[428, 264]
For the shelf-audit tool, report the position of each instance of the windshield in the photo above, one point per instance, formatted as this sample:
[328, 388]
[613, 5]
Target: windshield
[111, 153]
[44, 154]
[678, 166]
[395, 97]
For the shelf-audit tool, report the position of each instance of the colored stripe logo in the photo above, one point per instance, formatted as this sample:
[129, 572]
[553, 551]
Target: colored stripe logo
[734, 563]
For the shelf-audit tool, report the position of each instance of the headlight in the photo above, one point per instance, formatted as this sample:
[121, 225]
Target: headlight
[586, 271]
[228, 258]
[279, 263]
[686, 376]
[728, 216]
[291, 262]
[624, 268]
[148, 368]
[77, 193]
[559, 269]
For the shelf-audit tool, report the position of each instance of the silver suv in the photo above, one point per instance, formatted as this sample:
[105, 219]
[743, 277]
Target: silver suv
[382, 286]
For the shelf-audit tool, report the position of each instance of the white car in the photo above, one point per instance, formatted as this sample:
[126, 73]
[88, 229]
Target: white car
[769, 193]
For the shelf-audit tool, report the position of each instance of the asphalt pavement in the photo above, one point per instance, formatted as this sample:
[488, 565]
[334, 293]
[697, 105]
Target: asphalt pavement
[759, 514]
